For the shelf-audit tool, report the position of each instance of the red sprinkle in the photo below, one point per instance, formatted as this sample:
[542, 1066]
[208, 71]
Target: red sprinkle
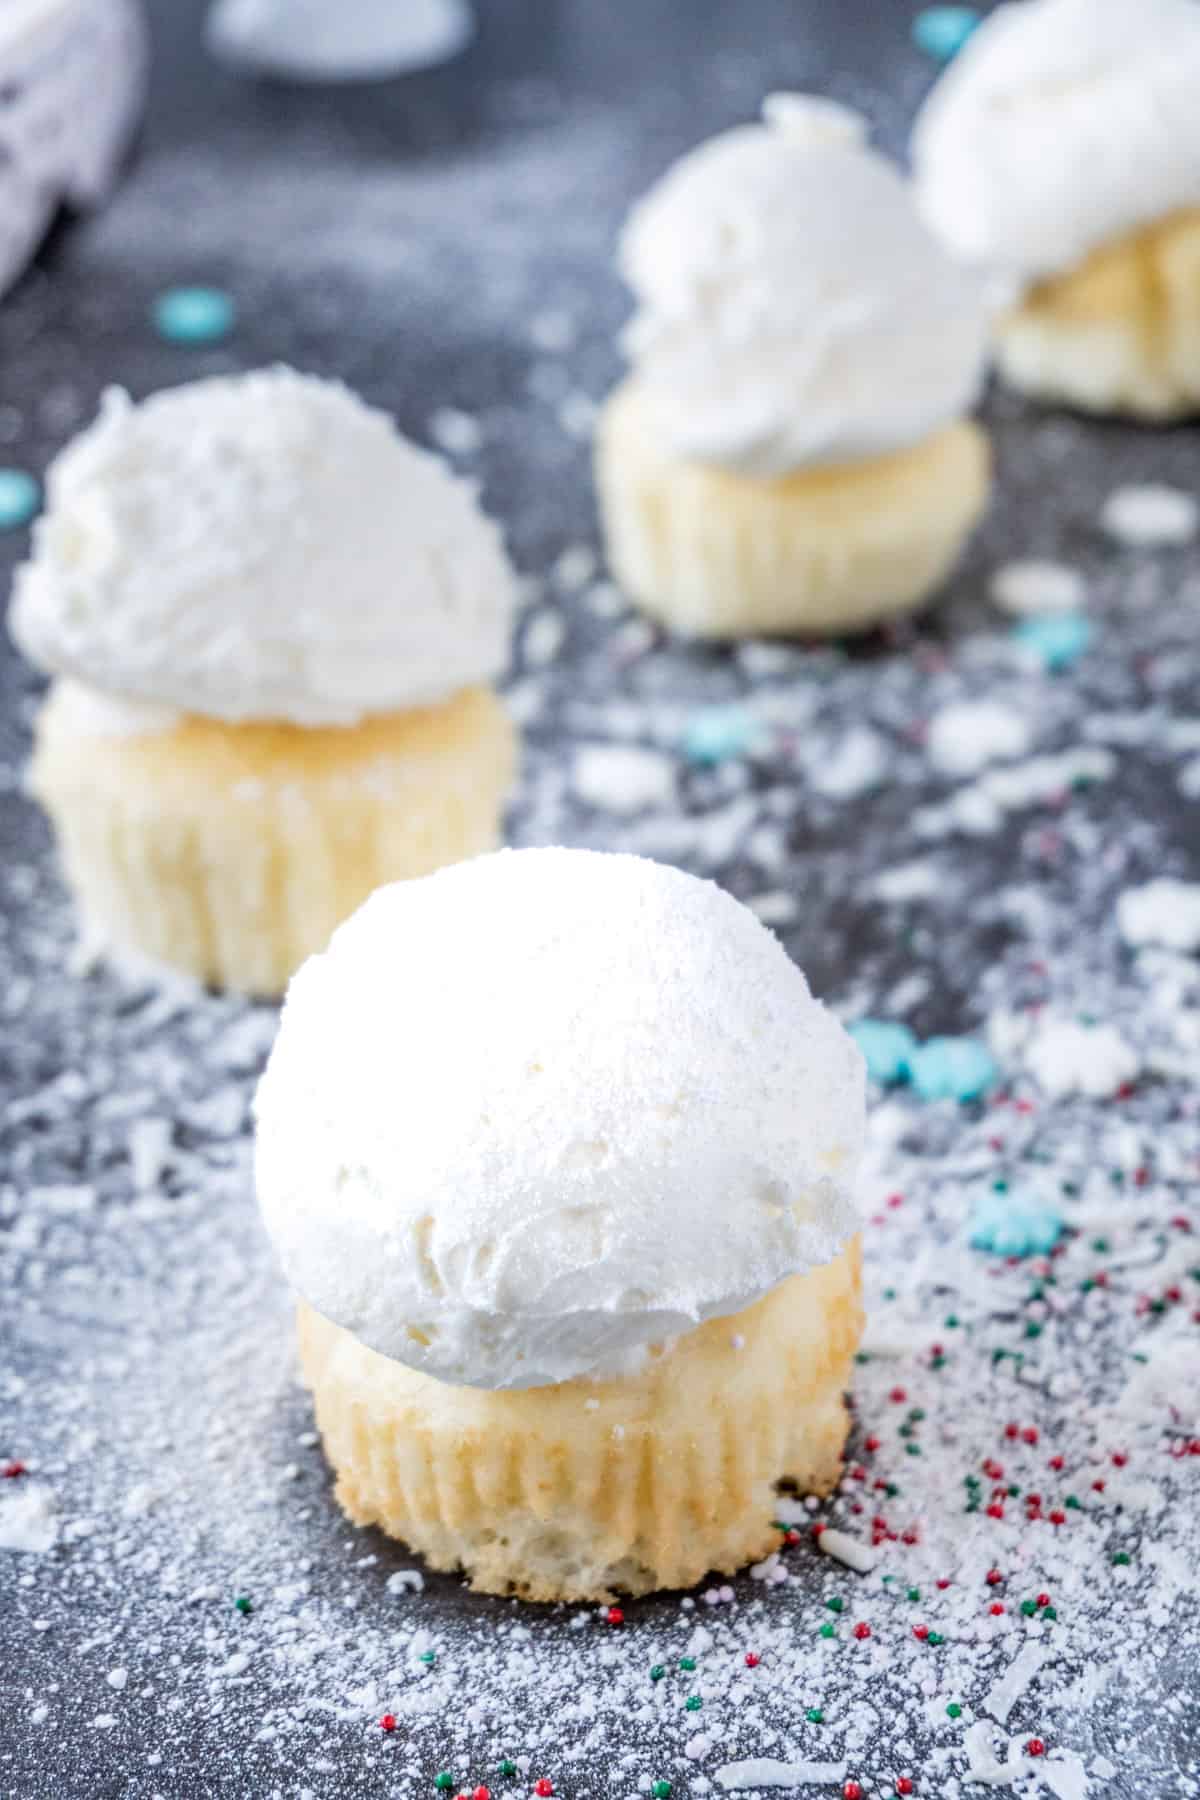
[942, 1582]
[1119, 1459]
[992, 1469]
[870, 1445]
[862, 1629]
[1012, 1429]
[904, 1784]
[543, 1787]
[1057, 1517]
[852, 1791]
[752, 1661]
[1043, 1600]
[1030, 1435]
[615, 1616]
[993, 1578]
[1098, 1487]
[388, 1722]
[921, 1631]
[895, 1200]
[995, 1510]
[793, 1537]
[996, 1609]
[1035, 1747]
[1056, 1462]
[898, 1396]
[12, 1469]
[482, 1793]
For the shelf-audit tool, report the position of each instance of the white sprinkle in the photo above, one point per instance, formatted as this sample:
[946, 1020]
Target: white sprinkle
[1031, 585]
[1067, 1057]
[405, 1581]
[848, 1550]
[1150, 517]
[965, 737]
[1000, 1699]
[763, 1772]
[27, 1518]
[117, 1678]
[457, 433]
[622, 779]
[1164, 913]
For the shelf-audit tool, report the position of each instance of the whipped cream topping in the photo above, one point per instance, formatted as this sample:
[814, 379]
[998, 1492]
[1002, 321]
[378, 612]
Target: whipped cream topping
[1062, 124]
[792, 308]
[534, 1113]
[262, 546]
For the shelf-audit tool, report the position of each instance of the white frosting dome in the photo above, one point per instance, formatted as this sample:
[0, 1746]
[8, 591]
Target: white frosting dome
[1060, 125]
[792, 308]
[542, 1109]
[262, 546]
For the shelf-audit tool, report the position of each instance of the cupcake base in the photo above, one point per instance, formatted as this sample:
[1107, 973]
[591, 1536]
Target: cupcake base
[583, 1490]
[231, 852]
[1118, 335]
[823, 550]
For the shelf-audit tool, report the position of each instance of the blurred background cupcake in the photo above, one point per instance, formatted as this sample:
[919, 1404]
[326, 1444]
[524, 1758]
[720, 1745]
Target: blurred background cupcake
[272, 623]
[789, 452]
[1061, 152]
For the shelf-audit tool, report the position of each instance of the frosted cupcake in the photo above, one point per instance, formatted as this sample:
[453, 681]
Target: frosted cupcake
[1061, 151]
[789, 453]
[558, 1152]
[272, 622]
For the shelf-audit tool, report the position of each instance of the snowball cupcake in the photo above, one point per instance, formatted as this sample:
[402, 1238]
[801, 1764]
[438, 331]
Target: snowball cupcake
[72, 77]
[272, 622]
[1061, 151]
[789, 453]
[558, 1152]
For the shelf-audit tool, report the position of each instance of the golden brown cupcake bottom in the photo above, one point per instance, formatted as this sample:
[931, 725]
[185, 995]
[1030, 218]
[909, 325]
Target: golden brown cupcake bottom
[231, 852]
[1121, 333]
[590, 1488]
[837, 549]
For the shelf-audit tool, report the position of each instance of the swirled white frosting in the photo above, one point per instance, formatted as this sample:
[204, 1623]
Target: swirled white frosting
[792, 308]
[1061, 124]
[543, 1109]
[262, 546]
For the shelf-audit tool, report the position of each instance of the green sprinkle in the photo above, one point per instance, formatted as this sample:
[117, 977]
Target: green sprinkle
[506, 1766]
[954, 1710]
[1033, 1330]
[862, 1356]
[951, 1321]
[428, 1657]
[891, 1490]
[1029, 1607]
[999, 1187]
[1100, 1245]
[912, 1449]
[1086, 1286]
[1121, 1560]
[1036, 1292]
[1048, 1612]
[661, 1790]
[1072, 1503]
[998, 1356]
[815, 1716]
[904, 1431]
[914, 1594]
[972, 1481]
[1117, 1177]
[444, 1779]
[835, 1603]
[917, 1413]
[687, 1663]
[693, 1703]
[1013, 1492]
[1070, 1187]
[828, 1631]
[1158, 1306]
[937, 1362]
[935, 1638]
[889, 1293]
[244, 1604]
[657, 1672]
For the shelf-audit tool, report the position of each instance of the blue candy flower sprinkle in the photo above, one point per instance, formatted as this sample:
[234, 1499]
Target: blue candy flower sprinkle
[941, 31]
[952, 1068]
[888, 1049]
[194, 315]
[1014, 1225]
[20, 497]
[1056, 639]
[716, 734]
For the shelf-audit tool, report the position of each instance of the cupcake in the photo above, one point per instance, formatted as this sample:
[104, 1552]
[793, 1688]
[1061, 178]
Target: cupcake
[558, 1153]
[72, 78]
[271, 623]
[1061, 152]
[789, 452]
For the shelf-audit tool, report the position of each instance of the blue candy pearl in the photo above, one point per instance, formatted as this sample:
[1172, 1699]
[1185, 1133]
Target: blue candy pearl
[20, 497]
[952, 1068]
[1056, 639]
[717, 733]
[194, 315]
[888, 1049]
[941, 31]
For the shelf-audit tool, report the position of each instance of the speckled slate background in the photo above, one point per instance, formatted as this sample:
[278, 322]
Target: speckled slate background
[426, 240]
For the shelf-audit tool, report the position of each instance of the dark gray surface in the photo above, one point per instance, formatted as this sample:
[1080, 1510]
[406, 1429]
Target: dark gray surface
[402, 237]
